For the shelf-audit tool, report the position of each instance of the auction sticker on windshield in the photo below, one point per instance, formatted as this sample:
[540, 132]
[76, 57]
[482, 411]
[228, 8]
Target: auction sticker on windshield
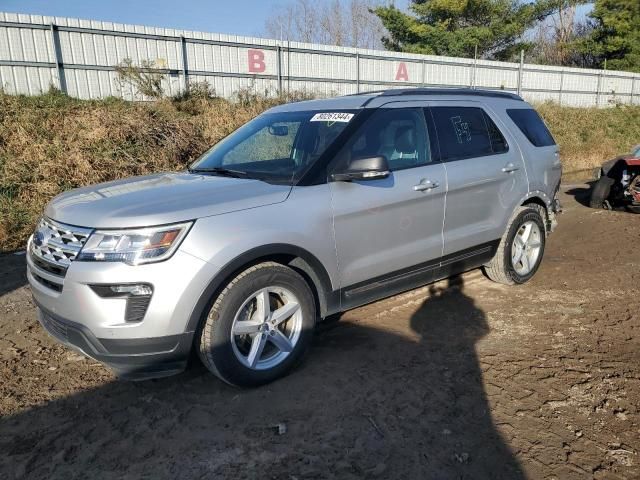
[332, 117]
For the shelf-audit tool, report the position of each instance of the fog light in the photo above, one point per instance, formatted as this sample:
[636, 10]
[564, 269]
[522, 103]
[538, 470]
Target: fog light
[133, 290]
[124, 290]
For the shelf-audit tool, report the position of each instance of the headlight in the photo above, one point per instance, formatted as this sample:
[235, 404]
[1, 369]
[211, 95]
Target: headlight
[135, 246]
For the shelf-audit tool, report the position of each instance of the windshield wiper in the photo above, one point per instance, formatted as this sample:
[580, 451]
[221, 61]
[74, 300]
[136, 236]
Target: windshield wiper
[220, 171]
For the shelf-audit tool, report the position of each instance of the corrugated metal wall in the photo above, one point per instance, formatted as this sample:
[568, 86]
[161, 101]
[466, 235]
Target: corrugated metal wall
[78, 56]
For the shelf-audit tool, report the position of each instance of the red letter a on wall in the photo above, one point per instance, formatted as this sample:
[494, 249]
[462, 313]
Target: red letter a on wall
[402, 73]
[256, 61]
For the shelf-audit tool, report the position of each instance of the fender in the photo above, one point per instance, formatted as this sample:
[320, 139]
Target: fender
[551, 205]
[304, 261]
[538, 194]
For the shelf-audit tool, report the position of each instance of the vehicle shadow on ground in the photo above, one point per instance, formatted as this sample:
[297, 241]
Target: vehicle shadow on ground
[13, 272]
[582, 194]
[384, 402]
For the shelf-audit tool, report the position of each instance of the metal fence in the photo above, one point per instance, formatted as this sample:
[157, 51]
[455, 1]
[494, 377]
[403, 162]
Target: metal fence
[79, 57]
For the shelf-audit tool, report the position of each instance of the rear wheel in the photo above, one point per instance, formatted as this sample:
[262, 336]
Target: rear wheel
[521, 248]
[600, 192]
[259, 327]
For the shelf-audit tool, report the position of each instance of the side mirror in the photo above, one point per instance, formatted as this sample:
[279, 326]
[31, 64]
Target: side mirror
[279, 130]
[368, 168]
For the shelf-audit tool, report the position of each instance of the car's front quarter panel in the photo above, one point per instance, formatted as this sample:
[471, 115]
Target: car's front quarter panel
[177, 283]
[303, 221]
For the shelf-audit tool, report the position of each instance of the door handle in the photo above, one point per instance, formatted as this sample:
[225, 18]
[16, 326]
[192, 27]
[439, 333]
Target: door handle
[510, 167]
[425, 185]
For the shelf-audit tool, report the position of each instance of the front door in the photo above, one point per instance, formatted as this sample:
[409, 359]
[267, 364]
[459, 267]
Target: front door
[389, 231]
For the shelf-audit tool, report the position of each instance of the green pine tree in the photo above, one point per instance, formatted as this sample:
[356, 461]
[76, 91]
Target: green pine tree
[616, 34]
[455, 27]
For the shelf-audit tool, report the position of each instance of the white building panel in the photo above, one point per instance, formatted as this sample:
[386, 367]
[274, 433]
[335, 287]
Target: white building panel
[253, 63]
[390, 71]
[311, 65]
[580, 83]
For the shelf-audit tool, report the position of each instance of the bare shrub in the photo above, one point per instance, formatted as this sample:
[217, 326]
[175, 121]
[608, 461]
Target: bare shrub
[337, 22]
[145, 78]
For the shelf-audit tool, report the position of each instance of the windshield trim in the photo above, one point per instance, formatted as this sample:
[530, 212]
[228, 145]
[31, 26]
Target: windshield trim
[317, 173]
[296, 176]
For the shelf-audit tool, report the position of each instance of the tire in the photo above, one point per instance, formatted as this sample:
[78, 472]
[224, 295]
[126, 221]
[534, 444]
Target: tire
[238, 309]
[601, 191]
[633, 209]
[501, 268]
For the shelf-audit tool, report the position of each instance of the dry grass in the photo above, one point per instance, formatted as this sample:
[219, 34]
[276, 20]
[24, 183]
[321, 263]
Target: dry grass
[51, 143]
[589, 136]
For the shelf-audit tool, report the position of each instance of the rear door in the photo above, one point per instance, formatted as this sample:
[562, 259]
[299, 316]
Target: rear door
[389, 231]
[486, 176]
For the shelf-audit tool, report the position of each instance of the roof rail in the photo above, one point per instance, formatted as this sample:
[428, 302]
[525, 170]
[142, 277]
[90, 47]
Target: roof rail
[368, 92]
[449, 91]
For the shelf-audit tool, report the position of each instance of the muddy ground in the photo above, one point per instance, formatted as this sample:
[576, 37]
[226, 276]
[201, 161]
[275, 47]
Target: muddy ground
[473, 380]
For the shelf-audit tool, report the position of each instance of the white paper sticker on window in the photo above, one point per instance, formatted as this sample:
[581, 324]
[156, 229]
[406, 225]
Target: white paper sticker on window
[332, 117]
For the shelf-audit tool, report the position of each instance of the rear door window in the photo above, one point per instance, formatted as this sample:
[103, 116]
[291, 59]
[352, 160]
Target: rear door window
[532, 126]
[466, 132]
[498, 143]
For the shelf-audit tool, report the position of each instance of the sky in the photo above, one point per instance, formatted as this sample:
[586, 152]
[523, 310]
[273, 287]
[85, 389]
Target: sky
[236, 17]
[239, 17]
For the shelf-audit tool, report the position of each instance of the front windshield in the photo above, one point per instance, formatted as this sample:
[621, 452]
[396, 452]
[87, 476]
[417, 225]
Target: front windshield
[636, 151]
[275, 147]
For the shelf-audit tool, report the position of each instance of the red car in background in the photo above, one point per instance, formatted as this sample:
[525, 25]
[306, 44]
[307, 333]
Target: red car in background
[618, 183]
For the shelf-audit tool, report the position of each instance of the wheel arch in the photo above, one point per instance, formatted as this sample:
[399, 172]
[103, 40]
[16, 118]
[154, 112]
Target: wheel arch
[542, 200]
[535, 200]
[297, 258]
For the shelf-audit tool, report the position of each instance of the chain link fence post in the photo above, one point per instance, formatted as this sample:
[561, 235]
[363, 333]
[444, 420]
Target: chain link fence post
[520, 72]
[185, 68]
[279, 64]
[358, 72]
[57, 57]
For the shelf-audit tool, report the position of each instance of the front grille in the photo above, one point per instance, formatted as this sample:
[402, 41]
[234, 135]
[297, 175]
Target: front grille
[47, 283]
[48, 266]
[55, 245]
[54, 327]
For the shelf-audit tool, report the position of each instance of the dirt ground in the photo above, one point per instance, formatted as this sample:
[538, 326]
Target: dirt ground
[465, 379]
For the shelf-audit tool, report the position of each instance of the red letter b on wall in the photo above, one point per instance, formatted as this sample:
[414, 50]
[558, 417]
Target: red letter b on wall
[256, 61]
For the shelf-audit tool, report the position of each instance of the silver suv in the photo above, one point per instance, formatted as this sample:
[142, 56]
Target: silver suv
[310, 209]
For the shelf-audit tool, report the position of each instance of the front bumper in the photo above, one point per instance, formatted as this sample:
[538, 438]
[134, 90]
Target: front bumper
[158, 344]
[130, 359]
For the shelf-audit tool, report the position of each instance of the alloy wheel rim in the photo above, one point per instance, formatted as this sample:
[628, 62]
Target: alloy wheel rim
[266, 328]
[526, 248]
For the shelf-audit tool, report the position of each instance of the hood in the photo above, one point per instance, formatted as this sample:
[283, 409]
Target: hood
[161, 199]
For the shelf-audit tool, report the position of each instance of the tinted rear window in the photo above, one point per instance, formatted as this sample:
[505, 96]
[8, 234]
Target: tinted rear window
[530, 123]
[466, 132]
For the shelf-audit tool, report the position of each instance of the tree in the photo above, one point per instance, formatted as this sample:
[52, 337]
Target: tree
[348, 23]
[456, 27]
[616, 34]
[558, 39]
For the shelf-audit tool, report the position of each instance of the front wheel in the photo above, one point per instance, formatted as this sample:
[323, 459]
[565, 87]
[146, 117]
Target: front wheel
[259, 326]
[521, 248]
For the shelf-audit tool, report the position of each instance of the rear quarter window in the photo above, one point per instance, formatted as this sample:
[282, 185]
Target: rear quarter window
[532, 126]
[467, 132]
